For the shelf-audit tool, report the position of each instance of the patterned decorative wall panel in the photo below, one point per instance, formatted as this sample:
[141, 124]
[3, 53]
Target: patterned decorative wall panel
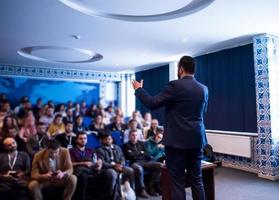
[266, 146]
[10, 70]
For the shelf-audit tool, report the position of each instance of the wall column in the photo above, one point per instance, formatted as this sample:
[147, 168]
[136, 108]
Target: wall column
[266, 54]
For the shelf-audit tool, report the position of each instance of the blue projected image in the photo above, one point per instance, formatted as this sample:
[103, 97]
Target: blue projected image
[59, 91]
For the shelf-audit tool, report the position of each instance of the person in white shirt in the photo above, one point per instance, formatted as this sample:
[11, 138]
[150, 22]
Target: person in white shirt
[133, 126]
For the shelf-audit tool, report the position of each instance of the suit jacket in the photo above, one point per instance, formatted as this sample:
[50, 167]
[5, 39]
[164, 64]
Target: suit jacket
[135, 152]
[185, 101]
[40, 164]
[105, 155]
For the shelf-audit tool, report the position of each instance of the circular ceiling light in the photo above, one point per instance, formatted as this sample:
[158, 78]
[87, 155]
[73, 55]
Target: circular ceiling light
[59, 54]
[190, 8]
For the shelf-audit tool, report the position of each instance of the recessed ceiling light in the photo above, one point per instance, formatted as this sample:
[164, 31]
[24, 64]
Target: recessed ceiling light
[116, 64]
[77, 37]
[185, 39]
[253, 17]
[188, 9]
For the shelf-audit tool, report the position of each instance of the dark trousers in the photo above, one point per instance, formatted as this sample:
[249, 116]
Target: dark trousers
[153, 167]
[177, 160]
[101, 184]
[8, 192]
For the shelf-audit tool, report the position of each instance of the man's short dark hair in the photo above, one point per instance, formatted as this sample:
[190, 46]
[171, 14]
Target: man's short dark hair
[68, 122]
[80, 133]
[132, 131]
[58, 115]
[188, 64]
[132, 120]
[53, 144]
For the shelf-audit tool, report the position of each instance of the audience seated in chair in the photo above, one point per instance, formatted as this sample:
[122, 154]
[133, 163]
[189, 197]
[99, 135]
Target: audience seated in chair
[47, 117]
[97, 124]
[153, 128]
[52, 167]
[78, 125]
[57, 127]
[133, 127]
[135, 152]
[117, 125]
[69, 116]
[67, 139]
[114, 160]
[37, 142]
[90, 173]
[14, 170]
[154, 146]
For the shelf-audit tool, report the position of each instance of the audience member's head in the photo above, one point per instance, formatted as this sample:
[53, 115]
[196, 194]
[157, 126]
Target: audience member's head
[49, 111]
[69, 112]
[133, 124]
[118, 111]
[154, 124]
[81, 139]
[10, 144]
[187, 64]
[70, 104]
[83, 104]
[53, 147]
[41, 128]
[39, 102]
[133, 135]
[106, 139]
[29, 119]
[11, 132]
[5, 106]
[58, 119]
[147, 116]
[158, 137]
[117, 119]
[98, 119]
[69, 127]
[79, 120]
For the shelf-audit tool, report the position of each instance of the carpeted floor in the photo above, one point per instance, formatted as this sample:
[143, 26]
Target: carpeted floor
[231, 184]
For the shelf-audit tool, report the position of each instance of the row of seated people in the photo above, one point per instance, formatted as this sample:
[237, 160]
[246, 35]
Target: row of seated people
[46, 112]
[55, 166]
[57, 127]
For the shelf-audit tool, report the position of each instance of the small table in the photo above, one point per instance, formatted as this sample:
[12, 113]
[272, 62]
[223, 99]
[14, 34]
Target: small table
[208, 181]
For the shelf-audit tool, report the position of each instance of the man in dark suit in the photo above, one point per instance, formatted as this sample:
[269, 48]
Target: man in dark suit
[186, 102]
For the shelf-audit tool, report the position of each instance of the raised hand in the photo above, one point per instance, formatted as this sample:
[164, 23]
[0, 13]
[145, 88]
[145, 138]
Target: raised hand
[137, 84]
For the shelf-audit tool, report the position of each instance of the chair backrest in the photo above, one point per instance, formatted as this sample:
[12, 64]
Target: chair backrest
[126, 119]
[87, 121]
[117, 137]
[93, 141]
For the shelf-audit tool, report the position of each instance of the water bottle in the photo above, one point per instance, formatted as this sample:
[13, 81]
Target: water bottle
[94, 159]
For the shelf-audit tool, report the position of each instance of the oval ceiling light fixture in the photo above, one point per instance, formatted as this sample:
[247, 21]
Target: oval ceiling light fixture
[190, 8]
[59, 54]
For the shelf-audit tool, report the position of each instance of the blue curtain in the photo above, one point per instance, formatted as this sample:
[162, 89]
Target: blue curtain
[154, 81]
[229, 75]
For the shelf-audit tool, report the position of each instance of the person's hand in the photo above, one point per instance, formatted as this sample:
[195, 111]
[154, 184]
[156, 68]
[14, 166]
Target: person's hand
[88, 164]
[60, 175]
[137, 84]
[20, 174]
[46, 176]
[118, 167]
[98, 165]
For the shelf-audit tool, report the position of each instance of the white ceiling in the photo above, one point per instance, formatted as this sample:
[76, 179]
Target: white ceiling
[126, 45]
